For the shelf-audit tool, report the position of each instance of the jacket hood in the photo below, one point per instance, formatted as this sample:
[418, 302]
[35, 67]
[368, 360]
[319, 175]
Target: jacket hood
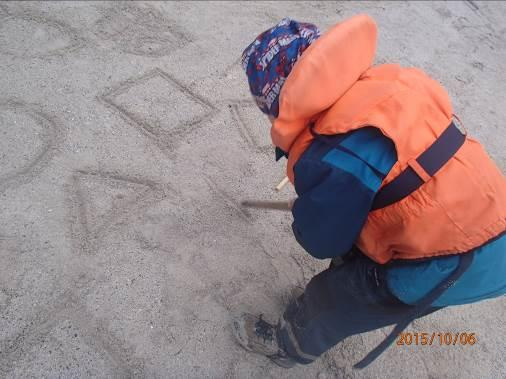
[326, 70]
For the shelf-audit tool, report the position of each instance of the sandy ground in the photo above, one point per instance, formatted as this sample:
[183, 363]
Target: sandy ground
[128, 139]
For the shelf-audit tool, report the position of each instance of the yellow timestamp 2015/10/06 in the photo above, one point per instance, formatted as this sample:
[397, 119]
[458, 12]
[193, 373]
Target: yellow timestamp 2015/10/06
[436, 338]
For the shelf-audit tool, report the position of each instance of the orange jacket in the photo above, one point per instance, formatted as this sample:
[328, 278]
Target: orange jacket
[334, 87]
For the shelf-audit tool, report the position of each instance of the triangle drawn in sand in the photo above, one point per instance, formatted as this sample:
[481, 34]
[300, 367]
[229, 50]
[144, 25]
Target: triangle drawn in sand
[104, 198]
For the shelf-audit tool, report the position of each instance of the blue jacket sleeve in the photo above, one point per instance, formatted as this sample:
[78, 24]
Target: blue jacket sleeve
[336, 185]
[331, 208]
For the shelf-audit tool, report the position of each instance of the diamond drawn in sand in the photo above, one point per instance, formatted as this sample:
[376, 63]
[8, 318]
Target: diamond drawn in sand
[253, 126]
[100, 201]
[28, 36]
[160, 106]
[139, 30]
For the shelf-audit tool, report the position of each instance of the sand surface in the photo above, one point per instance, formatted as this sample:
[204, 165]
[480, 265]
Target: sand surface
[127, 141]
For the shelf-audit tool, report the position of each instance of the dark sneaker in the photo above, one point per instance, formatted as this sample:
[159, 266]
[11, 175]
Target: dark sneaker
[257, 335]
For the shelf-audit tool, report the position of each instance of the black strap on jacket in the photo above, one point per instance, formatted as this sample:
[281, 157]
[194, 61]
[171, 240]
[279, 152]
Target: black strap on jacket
[418, 309]
[421, 169]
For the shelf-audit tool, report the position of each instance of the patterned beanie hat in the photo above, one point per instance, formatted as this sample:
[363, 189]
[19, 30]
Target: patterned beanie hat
[269, 59]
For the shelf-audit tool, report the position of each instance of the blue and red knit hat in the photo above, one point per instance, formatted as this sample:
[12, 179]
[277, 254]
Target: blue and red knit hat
[269, 59]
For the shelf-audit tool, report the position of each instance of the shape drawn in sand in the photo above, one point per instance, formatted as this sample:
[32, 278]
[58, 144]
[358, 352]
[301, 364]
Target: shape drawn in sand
[139, 30]
[29, 140]
[99, 201]
[67, 323]
[252, 125]
[161, 107]
[227, 201]
[27, 35]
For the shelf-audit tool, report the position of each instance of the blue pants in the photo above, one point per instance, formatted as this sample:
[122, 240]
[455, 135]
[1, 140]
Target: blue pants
[344, 300]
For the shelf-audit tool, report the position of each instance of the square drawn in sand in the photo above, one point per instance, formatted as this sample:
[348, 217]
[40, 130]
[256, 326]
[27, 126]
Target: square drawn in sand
[160, 106]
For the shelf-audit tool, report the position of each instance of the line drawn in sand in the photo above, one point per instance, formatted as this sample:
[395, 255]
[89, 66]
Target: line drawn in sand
[227, 200]
[100, 201]
[471, 4]
[31, 138]
[161, 107]
[253, 127]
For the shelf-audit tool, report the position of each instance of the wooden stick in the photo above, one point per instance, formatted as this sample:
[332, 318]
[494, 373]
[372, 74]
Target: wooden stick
[281, 184]
[275, 205]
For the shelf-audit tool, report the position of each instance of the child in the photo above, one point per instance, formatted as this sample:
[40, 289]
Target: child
[411, 210]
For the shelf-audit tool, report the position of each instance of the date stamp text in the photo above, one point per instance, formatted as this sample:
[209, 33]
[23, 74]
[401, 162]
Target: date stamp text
[436, 338]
